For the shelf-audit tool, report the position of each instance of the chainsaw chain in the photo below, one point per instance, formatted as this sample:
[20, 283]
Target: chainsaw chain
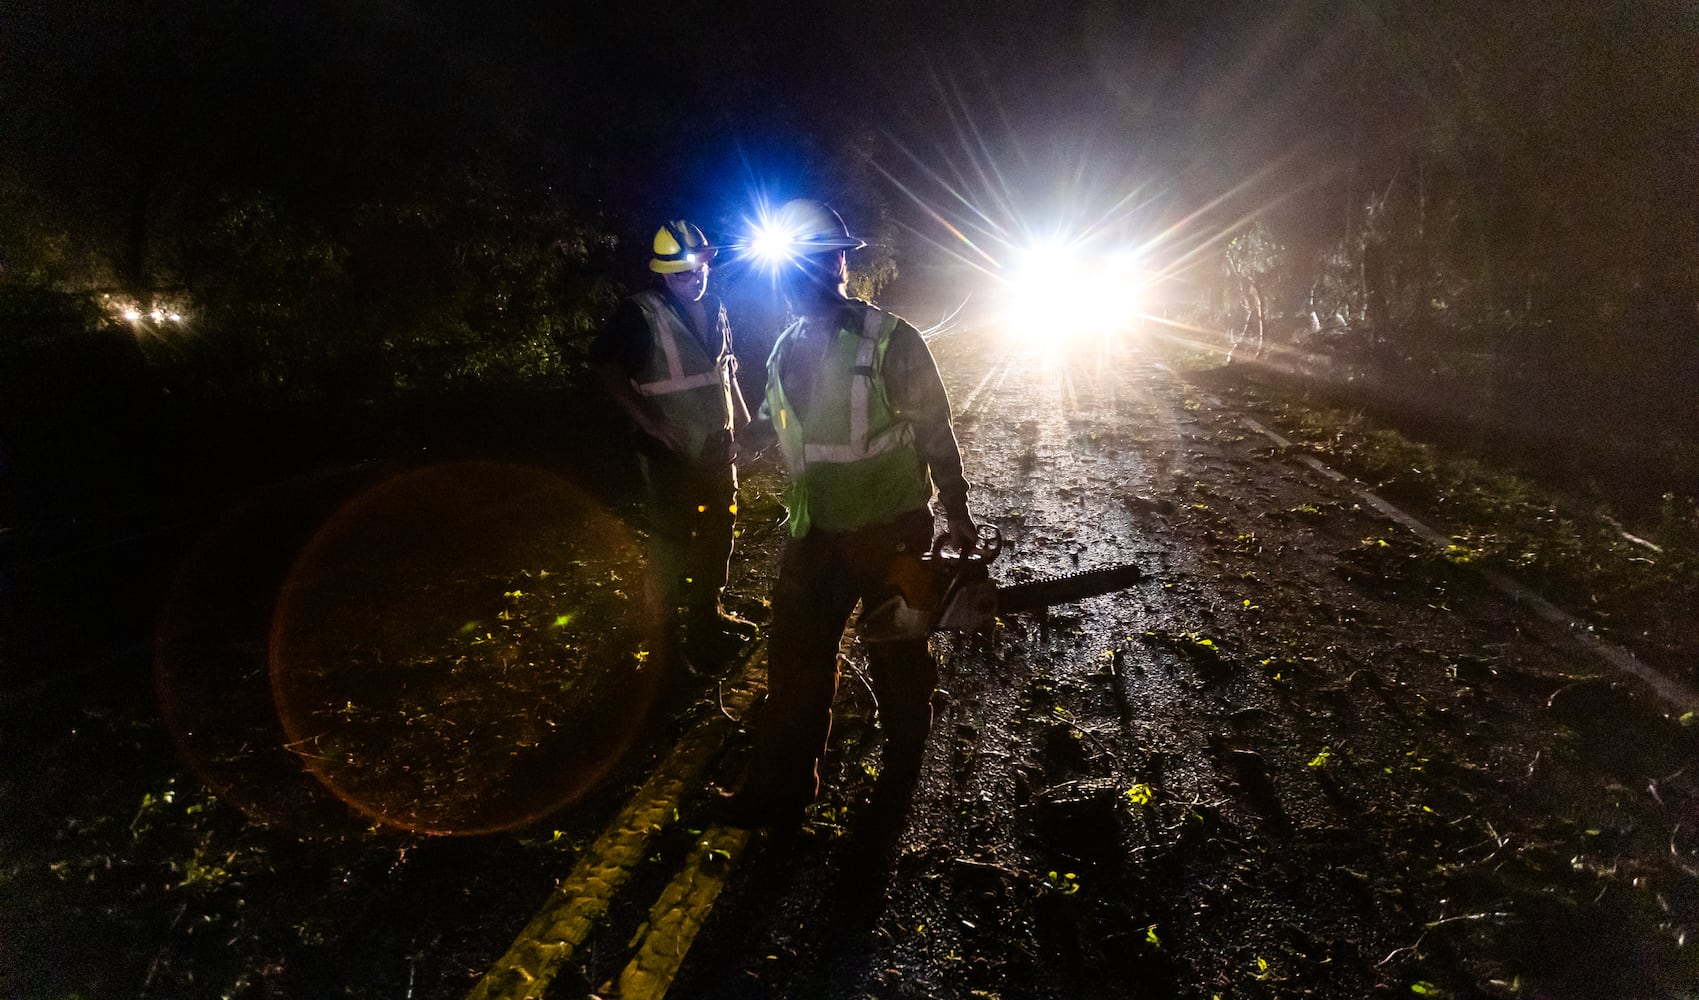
[1035, 594]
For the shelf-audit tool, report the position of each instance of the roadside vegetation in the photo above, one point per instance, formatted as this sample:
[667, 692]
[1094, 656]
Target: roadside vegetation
[1494, 252]
[1484, 308]
[1627, 565]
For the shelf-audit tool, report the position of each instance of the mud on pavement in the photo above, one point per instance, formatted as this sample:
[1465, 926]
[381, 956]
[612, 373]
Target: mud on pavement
[1306, 756]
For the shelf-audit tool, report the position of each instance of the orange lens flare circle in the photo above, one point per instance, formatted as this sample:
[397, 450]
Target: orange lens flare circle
[211, 662]
[464, 649]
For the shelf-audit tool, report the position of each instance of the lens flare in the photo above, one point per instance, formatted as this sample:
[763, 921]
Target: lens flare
[772, 244]
[454, 650]
[464, 648]
[210, 657]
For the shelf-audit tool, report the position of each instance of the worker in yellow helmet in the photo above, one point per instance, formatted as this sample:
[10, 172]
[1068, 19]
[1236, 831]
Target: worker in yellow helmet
[665, 359]
[856, 405]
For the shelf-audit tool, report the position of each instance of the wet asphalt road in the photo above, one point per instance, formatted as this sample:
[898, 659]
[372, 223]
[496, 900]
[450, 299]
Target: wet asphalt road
[1305, 756]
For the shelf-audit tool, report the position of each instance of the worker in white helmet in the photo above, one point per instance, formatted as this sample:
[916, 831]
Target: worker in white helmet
[856, 405]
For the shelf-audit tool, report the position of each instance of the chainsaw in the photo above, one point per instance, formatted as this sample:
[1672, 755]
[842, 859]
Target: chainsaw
[942, 590]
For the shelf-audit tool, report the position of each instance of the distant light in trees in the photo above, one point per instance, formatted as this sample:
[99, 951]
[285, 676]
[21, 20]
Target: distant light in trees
[154, 313]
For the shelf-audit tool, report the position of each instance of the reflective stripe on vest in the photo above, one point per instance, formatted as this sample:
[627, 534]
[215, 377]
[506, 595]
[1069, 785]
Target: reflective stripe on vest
[868, 469]
[666, 329]
[689, 383]
[859, 445]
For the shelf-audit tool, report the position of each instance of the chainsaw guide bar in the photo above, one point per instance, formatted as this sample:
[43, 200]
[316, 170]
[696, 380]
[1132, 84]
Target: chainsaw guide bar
[1036, 595]
[953, 592]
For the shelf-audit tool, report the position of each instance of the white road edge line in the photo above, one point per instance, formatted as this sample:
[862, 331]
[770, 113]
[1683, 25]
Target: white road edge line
[1677, 694]
[998, 371]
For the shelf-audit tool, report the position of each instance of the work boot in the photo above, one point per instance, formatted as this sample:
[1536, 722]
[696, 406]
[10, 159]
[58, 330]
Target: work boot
[731, 624]
[681, 686]
[749, 810]
[718, 635]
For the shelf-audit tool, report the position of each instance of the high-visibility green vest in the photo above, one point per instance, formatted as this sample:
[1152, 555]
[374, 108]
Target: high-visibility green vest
[690, 385]
[852, 459]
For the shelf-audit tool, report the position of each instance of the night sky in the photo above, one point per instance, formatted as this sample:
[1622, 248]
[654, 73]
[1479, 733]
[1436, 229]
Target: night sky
[1001, 121]
[1032, 111]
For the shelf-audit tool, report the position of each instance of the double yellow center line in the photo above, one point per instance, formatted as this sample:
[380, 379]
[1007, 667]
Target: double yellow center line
[658, 948]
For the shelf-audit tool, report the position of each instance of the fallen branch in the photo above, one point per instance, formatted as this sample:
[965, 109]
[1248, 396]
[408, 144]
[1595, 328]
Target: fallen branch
[720, 698]
[1681, 861]
[1398, 951]
[987, 866]
[1468, 918]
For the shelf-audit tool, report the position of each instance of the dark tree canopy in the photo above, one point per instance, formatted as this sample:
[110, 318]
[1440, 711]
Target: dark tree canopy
[1471, 202]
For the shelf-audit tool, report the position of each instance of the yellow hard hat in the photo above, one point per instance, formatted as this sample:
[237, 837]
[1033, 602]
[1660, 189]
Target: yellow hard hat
[679, 246]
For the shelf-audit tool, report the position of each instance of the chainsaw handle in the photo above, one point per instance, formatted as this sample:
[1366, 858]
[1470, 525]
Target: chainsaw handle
[987, 545]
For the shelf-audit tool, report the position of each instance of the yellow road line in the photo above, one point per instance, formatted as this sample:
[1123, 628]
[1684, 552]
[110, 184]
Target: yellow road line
[659, 946]
[547, 943]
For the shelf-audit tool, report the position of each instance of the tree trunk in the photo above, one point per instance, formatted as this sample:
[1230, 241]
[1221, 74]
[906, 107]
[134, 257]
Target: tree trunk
[135, 245]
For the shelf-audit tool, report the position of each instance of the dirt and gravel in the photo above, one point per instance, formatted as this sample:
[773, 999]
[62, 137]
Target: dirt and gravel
[1308, 754]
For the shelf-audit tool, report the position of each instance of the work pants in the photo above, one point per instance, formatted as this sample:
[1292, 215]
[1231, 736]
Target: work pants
[691, 517]
[821, 577]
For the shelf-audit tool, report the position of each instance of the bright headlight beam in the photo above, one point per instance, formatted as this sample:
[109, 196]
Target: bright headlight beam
[1058, 292]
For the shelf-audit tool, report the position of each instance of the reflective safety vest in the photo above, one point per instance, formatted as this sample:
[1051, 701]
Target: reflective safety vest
[691, 386]
[852, 459]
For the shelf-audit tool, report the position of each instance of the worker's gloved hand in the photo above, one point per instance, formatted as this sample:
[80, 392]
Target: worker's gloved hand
[722, 450]
[743, 452]
[960, 533]
[663, 431]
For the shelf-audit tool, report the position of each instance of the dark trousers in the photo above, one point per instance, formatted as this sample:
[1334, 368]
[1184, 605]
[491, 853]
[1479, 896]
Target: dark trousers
[690, 526]
[821, 577]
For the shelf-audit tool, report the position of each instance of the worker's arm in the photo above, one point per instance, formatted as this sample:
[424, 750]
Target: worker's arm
[616, 382]
[917, 394]
[738, 447]
[740, 409]
[615, 354]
